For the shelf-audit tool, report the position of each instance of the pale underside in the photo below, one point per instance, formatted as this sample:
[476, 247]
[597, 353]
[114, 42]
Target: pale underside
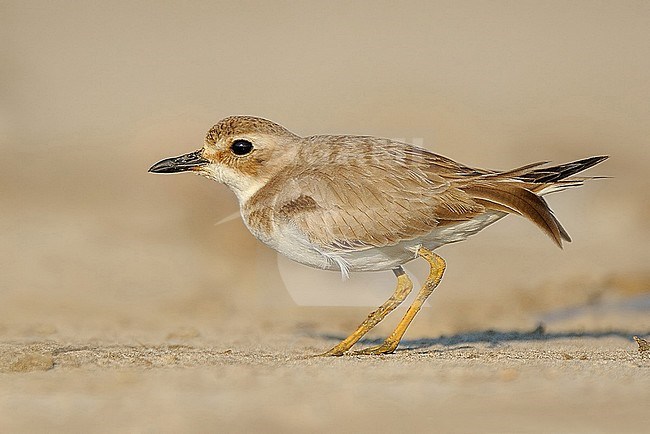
[294, 244]
[364, 206]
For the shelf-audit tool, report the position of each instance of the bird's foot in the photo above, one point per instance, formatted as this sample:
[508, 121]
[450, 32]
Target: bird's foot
[385, 348]
[335, 351]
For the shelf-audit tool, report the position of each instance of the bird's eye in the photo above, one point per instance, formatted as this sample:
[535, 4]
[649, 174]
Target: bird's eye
[241, 147]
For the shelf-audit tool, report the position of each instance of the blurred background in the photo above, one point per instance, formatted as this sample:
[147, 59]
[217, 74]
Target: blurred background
[93, 93]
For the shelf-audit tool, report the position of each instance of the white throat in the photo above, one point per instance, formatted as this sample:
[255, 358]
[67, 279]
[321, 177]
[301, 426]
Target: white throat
[243, 186]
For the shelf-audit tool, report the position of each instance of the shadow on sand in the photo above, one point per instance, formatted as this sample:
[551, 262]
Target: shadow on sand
[495, 337]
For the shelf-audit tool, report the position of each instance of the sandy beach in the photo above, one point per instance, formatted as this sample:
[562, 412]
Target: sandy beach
[488, 382]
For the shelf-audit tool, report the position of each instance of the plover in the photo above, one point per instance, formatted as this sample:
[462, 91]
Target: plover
[361, 203]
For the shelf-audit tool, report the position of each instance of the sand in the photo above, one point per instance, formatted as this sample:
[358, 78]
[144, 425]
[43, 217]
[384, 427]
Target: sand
[487, 382]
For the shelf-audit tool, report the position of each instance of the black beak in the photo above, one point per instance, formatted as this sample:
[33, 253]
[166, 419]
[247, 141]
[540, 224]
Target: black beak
[182, 163]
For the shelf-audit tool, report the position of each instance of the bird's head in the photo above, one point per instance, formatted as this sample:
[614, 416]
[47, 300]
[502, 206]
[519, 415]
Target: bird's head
[242, 152]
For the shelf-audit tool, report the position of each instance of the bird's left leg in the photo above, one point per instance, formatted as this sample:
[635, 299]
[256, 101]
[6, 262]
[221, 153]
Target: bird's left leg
[435, 276]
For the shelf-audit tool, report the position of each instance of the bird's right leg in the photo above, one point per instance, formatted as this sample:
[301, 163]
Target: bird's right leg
[404, 287]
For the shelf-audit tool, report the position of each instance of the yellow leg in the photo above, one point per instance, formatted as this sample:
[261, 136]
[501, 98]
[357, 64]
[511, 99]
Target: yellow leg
[435, 275]
[404, 287]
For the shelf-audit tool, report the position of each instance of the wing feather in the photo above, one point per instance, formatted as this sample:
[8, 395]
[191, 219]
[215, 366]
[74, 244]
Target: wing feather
[367, 208]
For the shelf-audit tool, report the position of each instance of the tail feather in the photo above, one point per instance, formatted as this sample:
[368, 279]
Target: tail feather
[547, 175]
[518, 200]
[520, 191]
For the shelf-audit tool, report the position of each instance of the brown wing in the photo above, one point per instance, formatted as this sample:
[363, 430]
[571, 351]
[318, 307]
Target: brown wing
[343, 213]
[374, 201]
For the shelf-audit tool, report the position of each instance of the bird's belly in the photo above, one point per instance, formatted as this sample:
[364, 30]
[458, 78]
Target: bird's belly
[370, 259]
[293, 244]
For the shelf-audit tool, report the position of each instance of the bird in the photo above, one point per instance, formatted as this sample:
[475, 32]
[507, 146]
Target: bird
[353, 203]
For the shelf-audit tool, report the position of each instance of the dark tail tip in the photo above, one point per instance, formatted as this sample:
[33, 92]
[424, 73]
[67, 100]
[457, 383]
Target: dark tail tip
[589, 162]
[556, 173]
